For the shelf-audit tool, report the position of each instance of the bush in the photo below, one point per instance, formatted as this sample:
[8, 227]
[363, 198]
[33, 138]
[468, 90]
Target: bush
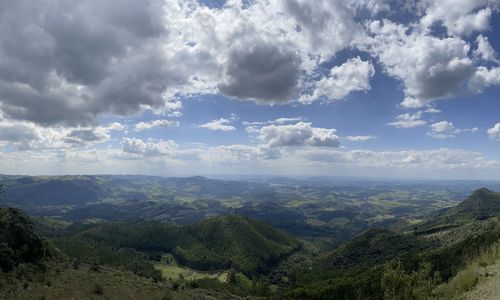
[95, 267]
[98, 289]
[463, 282]
[398, 284]
[76, 264]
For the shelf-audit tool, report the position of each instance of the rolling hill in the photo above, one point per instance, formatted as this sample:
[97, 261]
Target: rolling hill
[222, 242]
[480, 205]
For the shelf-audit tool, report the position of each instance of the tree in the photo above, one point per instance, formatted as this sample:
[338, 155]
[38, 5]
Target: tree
[1, 191]
[396, 283]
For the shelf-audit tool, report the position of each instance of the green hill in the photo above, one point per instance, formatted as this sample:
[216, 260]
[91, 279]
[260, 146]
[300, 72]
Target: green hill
[222, 242]
[237, 242]
[19, 241]
[371, 247]
[480, 205]
[31, 268]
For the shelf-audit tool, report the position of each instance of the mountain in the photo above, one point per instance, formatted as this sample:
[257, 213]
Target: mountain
[218, 243]
[480, 205]
[239, 242]
[483, 203]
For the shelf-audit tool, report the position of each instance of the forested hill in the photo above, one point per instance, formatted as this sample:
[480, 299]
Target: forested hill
[20, 242]
[219, 243]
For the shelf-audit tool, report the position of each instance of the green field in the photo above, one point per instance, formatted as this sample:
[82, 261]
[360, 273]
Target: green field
[171, 270]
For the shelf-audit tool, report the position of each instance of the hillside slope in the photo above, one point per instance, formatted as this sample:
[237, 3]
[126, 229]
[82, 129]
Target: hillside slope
[222, 242]
[480, 205]
[20, 242]
[483, 203]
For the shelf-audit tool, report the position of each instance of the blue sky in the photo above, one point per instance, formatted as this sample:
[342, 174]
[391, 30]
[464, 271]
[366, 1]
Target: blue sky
[285, 87]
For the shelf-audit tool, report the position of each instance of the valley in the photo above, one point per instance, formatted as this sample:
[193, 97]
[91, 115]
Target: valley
[187, 238]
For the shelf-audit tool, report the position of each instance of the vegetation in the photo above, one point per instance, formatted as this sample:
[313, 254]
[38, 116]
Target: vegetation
[336, 252]
[19, 241]
[322, 211]
[219, 243]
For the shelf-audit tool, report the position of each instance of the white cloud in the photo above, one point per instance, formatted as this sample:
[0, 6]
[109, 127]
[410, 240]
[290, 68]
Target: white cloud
[175, 114]
[149, 147]
[239, 153]
[279, 121]
[99, 134]
[408, 120]
[446, 129]
[460, 17]
[431, 68]
[435, 159]
[359, 138]
[353, 75]
[494, 132]
[372, 6]
[29, 136]
[221, 124]
[483, 78]
[299, 134]
[443, 130]
[155, 124]
[287, 120]
[432, 110]
[484, 50]
[148, 55]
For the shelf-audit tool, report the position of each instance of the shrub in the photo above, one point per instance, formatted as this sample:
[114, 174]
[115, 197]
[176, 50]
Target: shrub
[95, 267]
[98, 289]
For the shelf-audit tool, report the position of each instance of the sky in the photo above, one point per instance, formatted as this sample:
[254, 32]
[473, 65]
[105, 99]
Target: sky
[371, 88]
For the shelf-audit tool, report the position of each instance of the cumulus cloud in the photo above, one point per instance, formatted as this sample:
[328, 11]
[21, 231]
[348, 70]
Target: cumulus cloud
[149, 147]
[155, 124]
[443, 130]
[321, 28]
[299, 134]
[91, 135]
[484, 50]
[29, 136]
[408, 120]
[431, 68]
[65, 63]
[483, 78]
[221, 124]
[372, 6]
[264, 73]
[446, 129]
[68, 63]
[494, 132]
[353, 75]
[460, 17]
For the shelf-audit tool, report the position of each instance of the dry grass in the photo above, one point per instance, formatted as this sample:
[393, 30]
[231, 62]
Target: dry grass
[468, 278]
